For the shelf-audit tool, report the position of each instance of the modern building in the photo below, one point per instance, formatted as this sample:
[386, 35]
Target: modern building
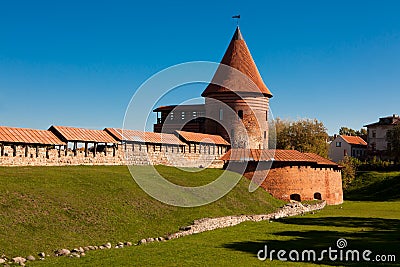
[345, 145]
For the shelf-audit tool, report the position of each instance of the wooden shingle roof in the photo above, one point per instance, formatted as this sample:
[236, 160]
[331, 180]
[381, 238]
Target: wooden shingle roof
[28, 136]
[191, 137]
[144, 137]
[72, 134]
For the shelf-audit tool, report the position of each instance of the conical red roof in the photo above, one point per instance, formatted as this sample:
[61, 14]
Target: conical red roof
[237, 56]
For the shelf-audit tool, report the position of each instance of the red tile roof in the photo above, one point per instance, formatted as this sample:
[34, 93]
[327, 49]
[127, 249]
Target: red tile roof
[320, 160]
[72, 134]
[145, 137]
[354, 140]
[237, 56]
[278, 155]
[28, 136]
[238, 154]
[202, 138]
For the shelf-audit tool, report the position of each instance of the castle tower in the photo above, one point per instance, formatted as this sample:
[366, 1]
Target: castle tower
[237, 100]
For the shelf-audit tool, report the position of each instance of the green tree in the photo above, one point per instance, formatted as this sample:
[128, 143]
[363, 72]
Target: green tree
[393, 139]
[304, 135]
[348, 131]
[349, 170]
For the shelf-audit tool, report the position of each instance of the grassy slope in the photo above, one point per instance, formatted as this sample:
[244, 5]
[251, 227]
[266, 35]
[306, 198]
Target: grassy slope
[375, 186]
[364, 224]
[45, 208]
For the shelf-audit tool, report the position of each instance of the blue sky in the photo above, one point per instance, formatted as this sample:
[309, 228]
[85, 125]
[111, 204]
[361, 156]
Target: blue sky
[78, 63]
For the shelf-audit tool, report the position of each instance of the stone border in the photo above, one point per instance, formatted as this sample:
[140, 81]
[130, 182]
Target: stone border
[202, 225]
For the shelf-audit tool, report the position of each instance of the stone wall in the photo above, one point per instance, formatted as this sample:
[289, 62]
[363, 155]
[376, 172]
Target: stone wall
[22, 155]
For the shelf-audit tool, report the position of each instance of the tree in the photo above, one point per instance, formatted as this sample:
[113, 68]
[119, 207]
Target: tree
[304, 135]
[348, 131]
[349, 170]
[393, 139]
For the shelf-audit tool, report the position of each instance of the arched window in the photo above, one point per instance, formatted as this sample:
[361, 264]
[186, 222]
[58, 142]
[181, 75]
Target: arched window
[317, 195]
[240, 114]
[295, 197]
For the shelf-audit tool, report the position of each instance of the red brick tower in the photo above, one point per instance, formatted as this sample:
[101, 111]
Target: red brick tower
[238, 104]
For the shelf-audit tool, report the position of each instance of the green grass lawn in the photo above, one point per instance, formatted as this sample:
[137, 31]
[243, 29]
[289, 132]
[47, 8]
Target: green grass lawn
[48, 208]
[365, 225]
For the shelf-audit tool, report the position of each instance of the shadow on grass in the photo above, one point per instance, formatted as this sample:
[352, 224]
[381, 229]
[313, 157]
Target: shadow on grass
[381, 236]
[381, 190]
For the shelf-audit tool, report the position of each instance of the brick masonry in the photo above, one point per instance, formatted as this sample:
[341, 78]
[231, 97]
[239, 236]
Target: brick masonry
[286, 181]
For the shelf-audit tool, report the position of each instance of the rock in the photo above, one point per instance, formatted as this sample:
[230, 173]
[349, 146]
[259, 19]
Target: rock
[143, 241]
[128, 244]
[86, 248]
[91, 248]
[101, 247]
[30, 258]
[2, 260]
[120, 244]
[19, 260]
[161, 238]
[42, 254]
[75, 254]
[63, 252]
[41, 259]
[75, 250]
[83, 254]
[81, 249]
[107, 245]
[149, 240]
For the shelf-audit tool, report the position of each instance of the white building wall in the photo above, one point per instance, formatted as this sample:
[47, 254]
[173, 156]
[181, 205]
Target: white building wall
[336, 152]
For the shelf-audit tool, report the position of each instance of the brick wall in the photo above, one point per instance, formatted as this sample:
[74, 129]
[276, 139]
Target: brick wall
[285, 179]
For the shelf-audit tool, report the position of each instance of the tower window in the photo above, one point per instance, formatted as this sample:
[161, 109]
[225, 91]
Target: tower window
[266, 115]
[171, 116]
[221, 114]
[183, 115]
[240, 114]
[265, 134]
